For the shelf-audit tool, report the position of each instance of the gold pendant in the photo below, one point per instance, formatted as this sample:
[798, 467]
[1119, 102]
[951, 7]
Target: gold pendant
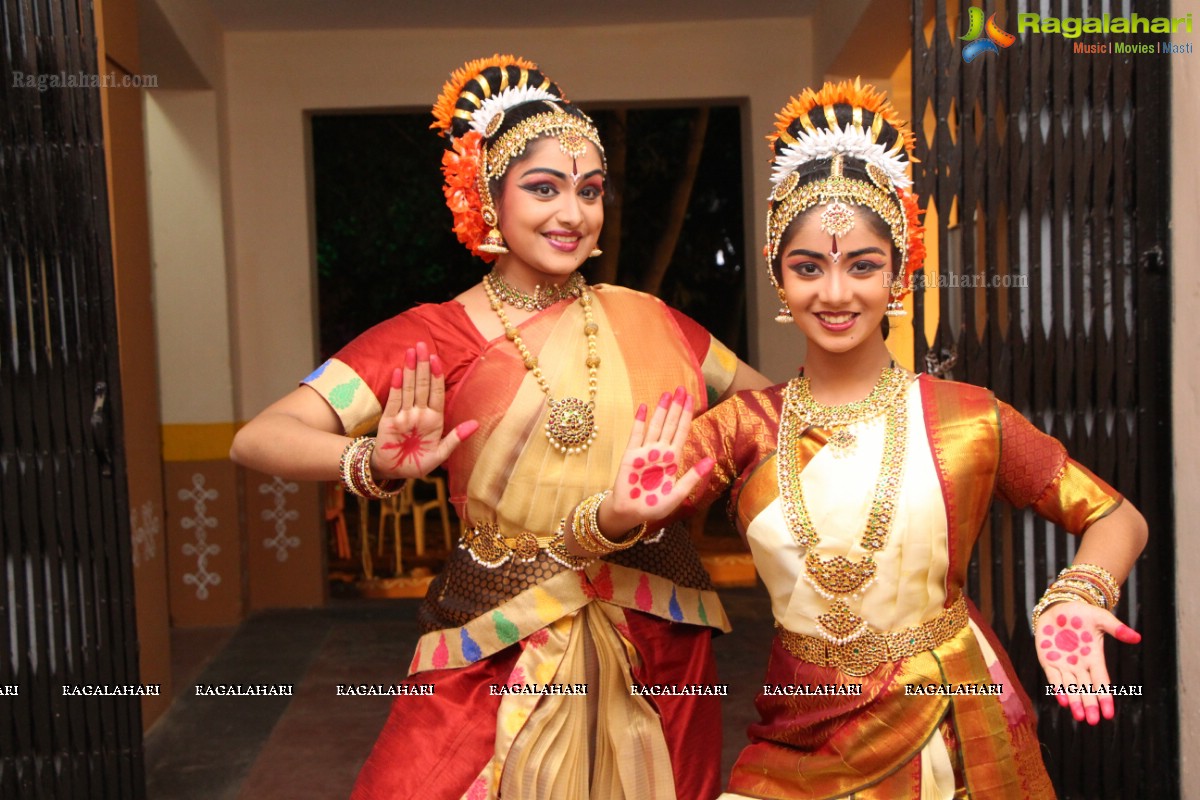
[842, 441]
[839, 575]
[839, 624]
[571, 425]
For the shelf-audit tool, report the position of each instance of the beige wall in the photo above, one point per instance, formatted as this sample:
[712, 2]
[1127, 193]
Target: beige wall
[189, 257]
[1185, 369]
[275, 78]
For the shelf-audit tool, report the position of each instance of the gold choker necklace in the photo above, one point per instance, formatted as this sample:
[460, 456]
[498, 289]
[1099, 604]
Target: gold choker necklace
[543, 296]
[836, 419]
[839, 579]
[571, 425]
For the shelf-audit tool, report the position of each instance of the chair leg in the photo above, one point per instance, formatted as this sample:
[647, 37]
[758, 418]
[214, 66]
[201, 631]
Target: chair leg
[383, 515]
[396, 539]
[441, 498]
[364, 539]
[419, 526]
[342, 537]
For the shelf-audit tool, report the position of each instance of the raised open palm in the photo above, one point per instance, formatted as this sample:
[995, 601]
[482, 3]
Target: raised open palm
[1070, 645]
[648, 487]
[409, 443]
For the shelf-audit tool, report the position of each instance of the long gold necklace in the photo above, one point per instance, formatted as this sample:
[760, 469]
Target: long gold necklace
[839, 579]
[542, 297]
[571, 424]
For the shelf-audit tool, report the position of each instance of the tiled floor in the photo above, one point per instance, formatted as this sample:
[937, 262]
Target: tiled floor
[311, 745]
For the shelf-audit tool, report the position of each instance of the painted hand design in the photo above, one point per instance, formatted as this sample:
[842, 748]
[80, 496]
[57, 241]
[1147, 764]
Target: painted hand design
[409, 443]
[1070, 645]
[647, 488]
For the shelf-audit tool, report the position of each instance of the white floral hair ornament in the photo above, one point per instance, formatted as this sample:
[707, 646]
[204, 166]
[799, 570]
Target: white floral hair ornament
[853, 142]
[482, 120]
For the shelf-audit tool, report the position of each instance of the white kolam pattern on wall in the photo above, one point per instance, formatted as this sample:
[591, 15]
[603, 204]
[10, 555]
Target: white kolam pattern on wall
[200, 548]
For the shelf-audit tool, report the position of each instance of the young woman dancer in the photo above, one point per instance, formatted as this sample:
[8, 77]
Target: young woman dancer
[524, 387]
[861, 489]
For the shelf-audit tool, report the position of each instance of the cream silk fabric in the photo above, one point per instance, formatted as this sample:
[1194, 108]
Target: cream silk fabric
[910, 586]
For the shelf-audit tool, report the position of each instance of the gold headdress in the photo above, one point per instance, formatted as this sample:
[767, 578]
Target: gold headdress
[818, 135]
[471, 112]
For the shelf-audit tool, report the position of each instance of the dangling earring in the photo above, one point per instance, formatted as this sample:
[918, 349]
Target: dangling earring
[785, 314]
[494, 241]
[596, 253]
[895, 306]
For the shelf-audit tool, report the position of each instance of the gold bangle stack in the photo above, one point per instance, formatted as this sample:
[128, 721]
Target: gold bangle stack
[355, 468]
[586, 527]
[1086, 583]
[1098, 579]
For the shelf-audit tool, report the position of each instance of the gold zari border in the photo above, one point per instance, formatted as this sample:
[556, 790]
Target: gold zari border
[862, 655]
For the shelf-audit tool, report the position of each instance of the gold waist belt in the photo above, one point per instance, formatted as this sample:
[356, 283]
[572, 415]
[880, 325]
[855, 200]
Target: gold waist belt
[864, 654]
[489, 547]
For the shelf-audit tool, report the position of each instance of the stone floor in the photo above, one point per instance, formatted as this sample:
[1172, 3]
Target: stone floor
[311, 745]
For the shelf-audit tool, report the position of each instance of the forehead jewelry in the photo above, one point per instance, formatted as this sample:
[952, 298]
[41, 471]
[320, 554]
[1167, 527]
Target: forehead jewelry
[573, 143]
[575, 171]
[838, 218]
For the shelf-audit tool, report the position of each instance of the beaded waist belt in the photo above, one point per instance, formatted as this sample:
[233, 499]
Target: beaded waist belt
[492, 549]
[862, 655]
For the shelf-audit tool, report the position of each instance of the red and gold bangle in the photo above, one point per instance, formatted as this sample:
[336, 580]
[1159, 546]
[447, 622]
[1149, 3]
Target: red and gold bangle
[355, 469]
[1099, 577]
[1085, 583]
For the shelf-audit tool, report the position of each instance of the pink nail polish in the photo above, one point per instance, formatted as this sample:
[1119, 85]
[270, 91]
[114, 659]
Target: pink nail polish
[465, 429]
[665, 400]
[422, 351]
[640, 416]
[410, 359]
[705, 465]
[435, 366]
[680, 394]
[397, 378]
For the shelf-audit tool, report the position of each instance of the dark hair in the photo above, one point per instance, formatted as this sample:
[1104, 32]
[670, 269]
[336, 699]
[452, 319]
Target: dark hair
[487, 83]
[888, 135]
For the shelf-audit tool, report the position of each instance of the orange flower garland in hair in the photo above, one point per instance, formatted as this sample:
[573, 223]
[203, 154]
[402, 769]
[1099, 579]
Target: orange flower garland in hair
[853, 94]
[916, 237]
[462, 163]
[443, 109]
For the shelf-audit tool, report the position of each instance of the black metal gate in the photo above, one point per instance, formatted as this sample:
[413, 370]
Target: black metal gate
[66, 589]
[1056, 160]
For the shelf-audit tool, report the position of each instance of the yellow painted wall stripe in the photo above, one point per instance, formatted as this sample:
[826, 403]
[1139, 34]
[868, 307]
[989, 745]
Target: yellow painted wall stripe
[198, 442]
